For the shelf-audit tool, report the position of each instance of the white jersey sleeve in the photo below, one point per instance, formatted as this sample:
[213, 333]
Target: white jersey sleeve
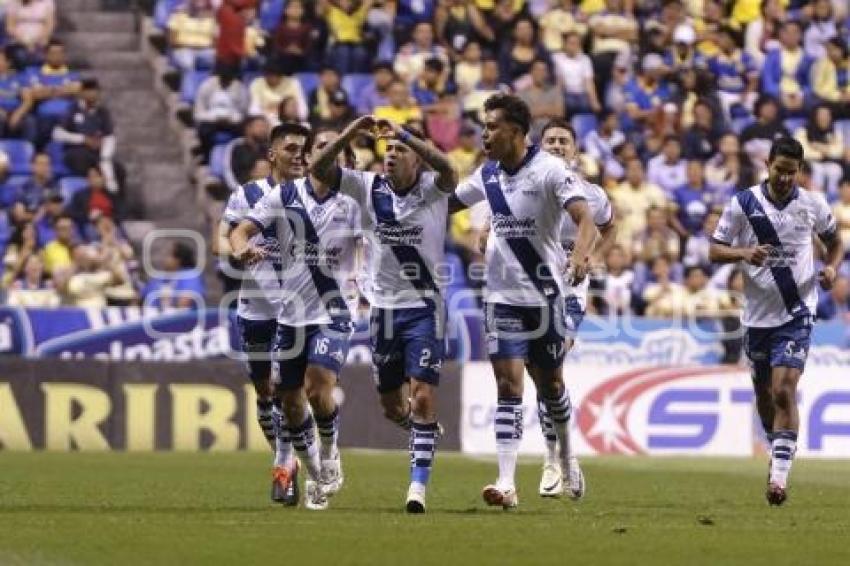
[268, 209]
[565, 184]
[824, 225]
[236, 209]
[471, 190]
[730, 224]
[355, 183]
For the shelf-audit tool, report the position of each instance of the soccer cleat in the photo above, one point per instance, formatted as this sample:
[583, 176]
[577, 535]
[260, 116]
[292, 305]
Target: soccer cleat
[775, 494]
[332, 477]
[495, 496]
[415, 498]
[314, 498]
[285, 484]
[575, 486]
[551, 482]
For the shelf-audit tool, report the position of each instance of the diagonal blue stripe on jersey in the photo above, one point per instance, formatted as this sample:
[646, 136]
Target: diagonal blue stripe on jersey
[326, 285]
[535, 268]
[382, 202]
[766, 235]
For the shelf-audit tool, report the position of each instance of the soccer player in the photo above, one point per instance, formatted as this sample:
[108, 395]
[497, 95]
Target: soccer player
[259, 295]
[404, 218]
[528, 191]
[318, 227]
[769, 227]
[559, 139]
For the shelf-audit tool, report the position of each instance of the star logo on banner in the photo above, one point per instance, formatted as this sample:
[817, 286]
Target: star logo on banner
[607, 417]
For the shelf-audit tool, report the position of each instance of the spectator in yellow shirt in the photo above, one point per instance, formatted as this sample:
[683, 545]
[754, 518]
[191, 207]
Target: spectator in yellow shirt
[57, 253]
[191, 34]
[841, 211]
[345, 19]
[268, 91]
[632, 199]
[400, 110]
[830, 78]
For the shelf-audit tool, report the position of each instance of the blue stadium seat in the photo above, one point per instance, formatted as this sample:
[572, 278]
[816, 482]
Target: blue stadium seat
[583, 124]
[69, 186]
[9, 189]
[56, 151]
[190, 83]
[270, 13]
[55, 107]
[217, 160]
[309, 82]
[794, 124]
[738, 124]
[354, 84]
[20, 154]
[843, 126]
[5, 231]
[162, 11]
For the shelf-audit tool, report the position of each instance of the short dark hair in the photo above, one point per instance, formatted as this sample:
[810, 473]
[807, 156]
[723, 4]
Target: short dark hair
[63, 216]
[559, 123]
[185, 254]
[55, 43]
[434, 64]
[786, 147]
[290, 129]
[513, 108]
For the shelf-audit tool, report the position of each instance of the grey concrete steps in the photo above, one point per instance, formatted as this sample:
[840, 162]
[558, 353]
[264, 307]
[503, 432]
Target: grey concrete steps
[117, 80]
[71, 6]
[125, 60]
[93, 21]
[89, 42]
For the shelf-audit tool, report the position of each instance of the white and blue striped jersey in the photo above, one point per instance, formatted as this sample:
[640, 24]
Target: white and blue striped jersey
[318, 239]
[785, 287]
[259, 294]
[405, 237]
[603, 214]
[524, 257]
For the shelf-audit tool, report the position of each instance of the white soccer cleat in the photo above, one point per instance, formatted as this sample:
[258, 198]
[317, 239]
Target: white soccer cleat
[314, 497]
[575, 486]
[506, 497]
[415, 498]
[551, 482]
[332, 477]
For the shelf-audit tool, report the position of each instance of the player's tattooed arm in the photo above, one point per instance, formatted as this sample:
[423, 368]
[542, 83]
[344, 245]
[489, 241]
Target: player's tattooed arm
[721, 252]
[325, 167]
[587, 233]
[834, 255]
[243, 251]
[436, 159]
[608, 233]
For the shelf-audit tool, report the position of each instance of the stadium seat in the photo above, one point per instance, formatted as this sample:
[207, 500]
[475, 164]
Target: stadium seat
[69, 186]
[56, 151]
[583, 124]
[190, 83]
[738, 124]
[162, 11]
[217, 160]
[354, 84]
[9, 189]
[55, 107]
[843, 126]
[309, 82]
[5, 232]
[270, 14]
[794, 124]
[20, 154]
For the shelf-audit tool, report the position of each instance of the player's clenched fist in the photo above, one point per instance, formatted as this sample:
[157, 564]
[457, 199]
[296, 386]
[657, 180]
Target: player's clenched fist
[757, 255]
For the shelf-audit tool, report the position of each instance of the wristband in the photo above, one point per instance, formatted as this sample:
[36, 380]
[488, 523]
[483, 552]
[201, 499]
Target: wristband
[404, 136]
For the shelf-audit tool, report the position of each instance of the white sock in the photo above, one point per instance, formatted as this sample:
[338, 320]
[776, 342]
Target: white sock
[328, 433]
[508, 427]
[549, 436]
[304, 442]
[782, 456]
[560, 410]
[283, 443]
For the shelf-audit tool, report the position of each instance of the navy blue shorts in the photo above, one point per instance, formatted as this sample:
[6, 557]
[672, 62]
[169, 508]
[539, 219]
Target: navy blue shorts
[407, 343]
[785, 346]
[256, 338]
[533, 334]
[297, 347]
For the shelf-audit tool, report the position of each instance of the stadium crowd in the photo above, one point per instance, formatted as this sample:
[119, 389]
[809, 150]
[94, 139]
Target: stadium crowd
[674, 105]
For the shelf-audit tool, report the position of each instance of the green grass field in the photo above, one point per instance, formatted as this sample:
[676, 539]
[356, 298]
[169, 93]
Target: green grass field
[213, 509]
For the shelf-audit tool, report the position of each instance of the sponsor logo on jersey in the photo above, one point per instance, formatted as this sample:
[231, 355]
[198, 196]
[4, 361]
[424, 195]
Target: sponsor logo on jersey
[509, 226]
[397, 235]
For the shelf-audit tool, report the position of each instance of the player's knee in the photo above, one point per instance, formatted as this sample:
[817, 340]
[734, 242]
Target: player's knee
[783, 395]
